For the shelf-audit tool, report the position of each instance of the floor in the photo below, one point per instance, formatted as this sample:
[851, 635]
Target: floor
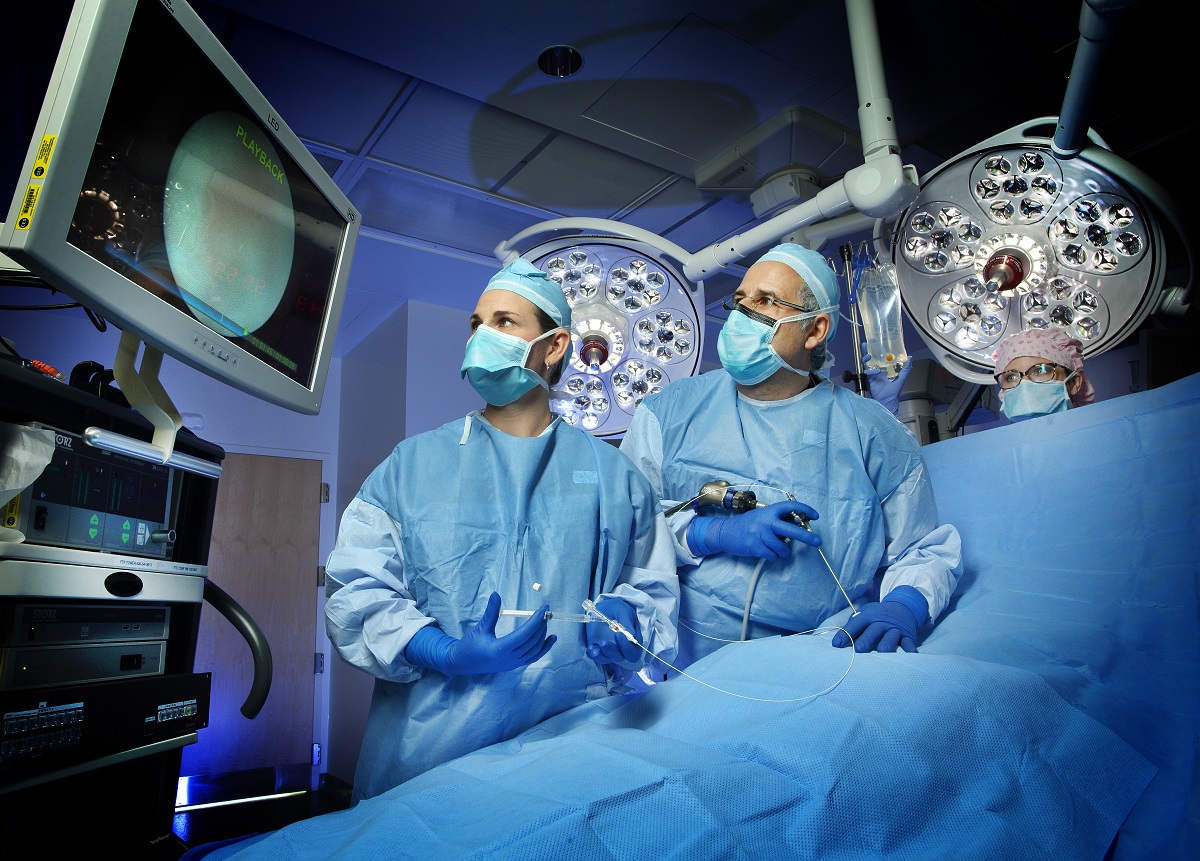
[195, 828]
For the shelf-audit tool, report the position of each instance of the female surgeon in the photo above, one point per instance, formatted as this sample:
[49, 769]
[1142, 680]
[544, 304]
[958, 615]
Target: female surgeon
[508, 507]
[1040, 371]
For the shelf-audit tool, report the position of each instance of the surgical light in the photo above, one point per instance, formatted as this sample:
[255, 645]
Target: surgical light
[635, 327]
[1013, 236]
[1030, 230]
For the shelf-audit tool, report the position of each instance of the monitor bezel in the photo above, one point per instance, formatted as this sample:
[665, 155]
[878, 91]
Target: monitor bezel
[72, 112]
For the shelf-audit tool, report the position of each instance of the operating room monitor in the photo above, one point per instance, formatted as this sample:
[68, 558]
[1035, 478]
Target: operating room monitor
[162, 190]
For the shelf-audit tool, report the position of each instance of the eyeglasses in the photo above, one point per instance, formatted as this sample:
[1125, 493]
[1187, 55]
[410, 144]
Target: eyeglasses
[1042, 372]
[760, 303]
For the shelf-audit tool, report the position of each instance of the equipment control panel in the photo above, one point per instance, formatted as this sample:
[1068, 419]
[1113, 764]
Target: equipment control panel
[90, 499]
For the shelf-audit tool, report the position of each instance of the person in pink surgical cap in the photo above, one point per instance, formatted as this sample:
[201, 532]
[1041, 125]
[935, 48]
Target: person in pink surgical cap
[1040, 372]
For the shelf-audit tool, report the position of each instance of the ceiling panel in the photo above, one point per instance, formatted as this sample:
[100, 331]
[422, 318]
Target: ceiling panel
[670, 205]
[443, 133]
[409, 205]
[322, 93]
[330, 163]
[696, 89]
[583, 179]
[664, 87]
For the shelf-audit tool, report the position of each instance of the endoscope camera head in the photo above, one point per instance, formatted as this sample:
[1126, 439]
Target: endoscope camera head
[718, 494]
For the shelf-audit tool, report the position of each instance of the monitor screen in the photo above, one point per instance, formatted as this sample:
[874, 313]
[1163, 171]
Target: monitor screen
[162, 190]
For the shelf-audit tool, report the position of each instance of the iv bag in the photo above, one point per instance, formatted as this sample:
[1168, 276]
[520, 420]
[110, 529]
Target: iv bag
[878, 297]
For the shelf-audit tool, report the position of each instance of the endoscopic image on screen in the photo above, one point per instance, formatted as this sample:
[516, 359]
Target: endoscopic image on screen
[188, 196]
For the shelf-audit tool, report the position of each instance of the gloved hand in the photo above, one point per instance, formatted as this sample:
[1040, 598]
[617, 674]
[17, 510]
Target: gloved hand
[883, 625]
[761, 532]
[606, 646]
[480, 651]
[886, 391]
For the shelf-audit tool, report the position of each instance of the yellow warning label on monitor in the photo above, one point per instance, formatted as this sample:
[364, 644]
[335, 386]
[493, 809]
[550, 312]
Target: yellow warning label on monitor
[11, 511]
[42, 163]
[28, 204]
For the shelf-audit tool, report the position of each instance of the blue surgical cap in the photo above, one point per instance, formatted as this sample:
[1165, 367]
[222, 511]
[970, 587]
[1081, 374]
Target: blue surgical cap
[525, 279]
[817, 274]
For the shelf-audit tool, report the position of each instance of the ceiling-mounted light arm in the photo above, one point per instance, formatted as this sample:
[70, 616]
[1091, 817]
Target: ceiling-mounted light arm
[1035, 130]
[875, 120]
[879, 189]
[1098, 21]
[817, 236]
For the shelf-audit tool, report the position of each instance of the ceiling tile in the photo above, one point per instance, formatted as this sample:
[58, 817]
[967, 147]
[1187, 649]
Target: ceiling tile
[329, 163]
[677, 202]
[408, 205]
[322, 93]
[443, 133]
[579, 178]
[698, 89]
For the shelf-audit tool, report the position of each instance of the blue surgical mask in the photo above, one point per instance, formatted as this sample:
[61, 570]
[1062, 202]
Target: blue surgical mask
[1030, 400]
[494, 365]
[744, 345]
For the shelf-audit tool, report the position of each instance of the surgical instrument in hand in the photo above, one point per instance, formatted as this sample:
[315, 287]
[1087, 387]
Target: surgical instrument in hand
[720, 494]
[554, 616]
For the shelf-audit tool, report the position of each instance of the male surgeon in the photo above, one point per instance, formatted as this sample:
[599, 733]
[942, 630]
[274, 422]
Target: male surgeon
[771, 422]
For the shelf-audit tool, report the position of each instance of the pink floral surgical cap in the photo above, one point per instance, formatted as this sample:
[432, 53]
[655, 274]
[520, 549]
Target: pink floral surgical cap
[1053, 345]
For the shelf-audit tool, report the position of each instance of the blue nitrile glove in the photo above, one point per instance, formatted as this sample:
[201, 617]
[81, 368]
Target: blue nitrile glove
[761, 532]
[606, 646]
[883, 390]
[480, 651]
[883, 625]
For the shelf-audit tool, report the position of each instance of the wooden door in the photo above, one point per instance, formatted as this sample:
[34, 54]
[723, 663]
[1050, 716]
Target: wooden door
[264, 555]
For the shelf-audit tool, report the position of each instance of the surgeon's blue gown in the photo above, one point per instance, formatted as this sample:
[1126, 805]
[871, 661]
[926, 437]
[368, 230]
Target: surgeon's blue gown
[449, 518]
[841, 453]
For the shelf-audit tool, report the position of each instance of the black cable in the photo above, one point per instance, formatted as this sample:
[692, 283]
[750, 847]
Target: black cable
[18, 280]
[97, 320]
[13, 279]
[38, 307]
